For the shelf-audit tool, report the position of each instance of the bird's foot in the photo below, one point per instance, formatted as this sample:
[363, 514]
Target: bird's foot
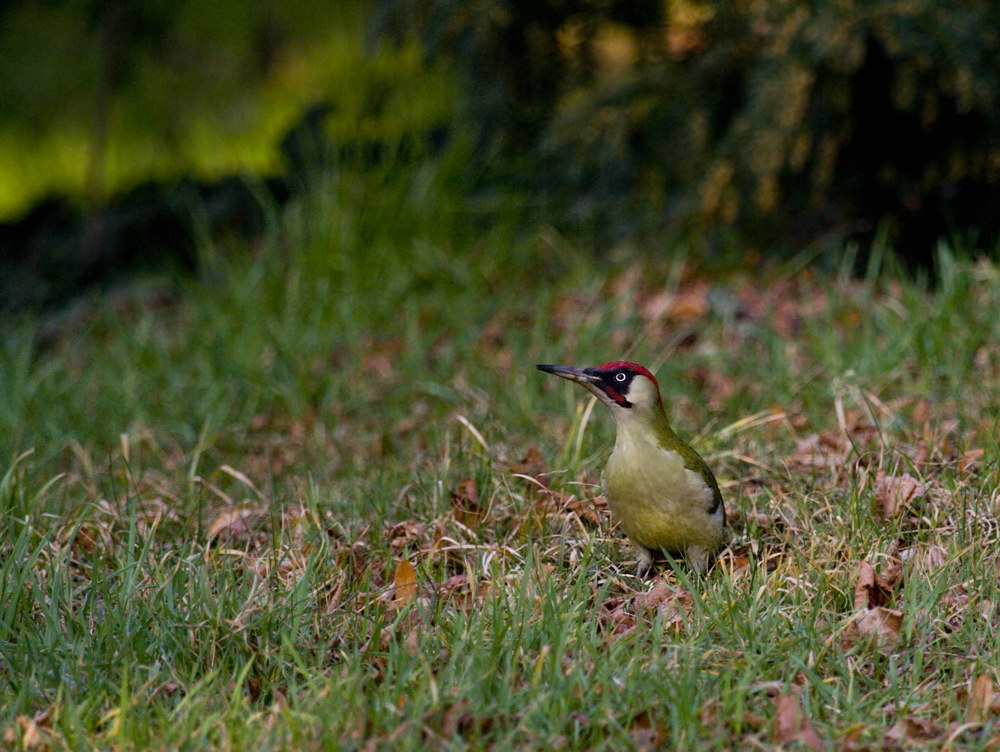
[645, 566]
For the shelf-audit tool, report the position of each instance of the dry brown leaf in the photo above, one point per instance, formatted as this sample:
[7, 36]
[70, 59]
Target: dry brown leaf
[969, 459]
[88, 536]
[715, 385]
[874, 622]
[30, 736]
[735, 562]
[230, 524]
[880, 625]
[532, 465]
[690, 303]
[411, 643]
[709, 717]
[446, 548]
[405, 583]
[34, 732]
[465, 504]
[615, 615]
[457, 719]
[673, 604]
[911, 729]
[956, 601]
[871, 590]
[647, 731]
[893, 493]
[404, 533]
[925, 559]
[709, 714]
[791, 724]
[893, 577]
[820, 450]
[463, 591]
[587, 509]
[655, 306]
[646, 739]
[467, 491]
[981, 699]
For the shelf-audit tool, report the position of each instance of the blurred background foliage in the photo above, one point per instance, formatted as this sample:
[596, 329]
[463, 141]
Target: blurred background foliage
[756, 123]
[733, 129]
[99, 95]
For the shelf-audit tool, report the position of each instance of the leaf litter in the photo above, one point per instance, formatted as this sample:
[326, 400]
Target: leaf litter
[892, 454]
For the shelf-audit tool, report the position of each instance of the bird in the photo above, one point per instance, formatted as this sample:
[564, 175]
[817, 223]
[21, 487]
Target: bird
[656, 484]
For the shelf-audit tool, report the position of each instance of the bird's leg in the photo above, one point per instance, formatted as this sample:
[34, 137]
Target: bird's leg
[645, 565]
[697, 557]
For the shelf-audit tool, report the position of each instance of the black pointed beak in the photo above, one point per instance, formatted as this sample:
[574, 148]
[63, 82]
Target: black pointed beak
[579, 375]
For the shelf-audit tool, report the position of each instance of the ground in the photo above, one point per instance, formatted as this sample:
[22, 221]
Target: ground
[263, 512]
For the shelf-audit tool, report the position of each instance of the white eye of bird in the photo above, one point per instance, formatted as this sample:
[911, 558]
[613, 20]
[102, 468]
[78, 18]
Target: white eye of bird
[620, 377]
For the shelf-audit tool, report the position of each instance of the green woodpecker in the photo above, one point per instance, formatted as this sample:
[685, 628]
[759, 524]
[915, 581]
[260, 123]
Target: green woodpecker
[657, 485]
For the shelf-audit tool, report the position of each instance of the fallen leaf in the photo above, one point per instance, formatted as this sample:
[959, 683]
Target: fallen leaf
[233, 523]
[656, 306]
[791, 724]
[894, 493]
[465, 504]
[411, 643]
[404, 533]
[615, 615]
[871, 590]
[463, 591]
[881, 625]
[710, 712]
[30, 737]
[532, 465]
[586, 509]
[735, 562]
[378, 364]
[31, 730]
[88, 535]
[981, 699]
[673, 604]
[405, 583]
[715, 385]
[467, 491]
[969, 459]
[820, 450]
[911, 729]
[690, 303]
[647, 731]
[458, 720]
[645, 739]
[924, 558]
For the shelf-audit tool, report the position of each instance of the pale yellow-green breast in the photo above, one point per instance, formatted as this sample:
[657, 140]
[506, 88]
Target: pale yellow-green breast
[660, 501]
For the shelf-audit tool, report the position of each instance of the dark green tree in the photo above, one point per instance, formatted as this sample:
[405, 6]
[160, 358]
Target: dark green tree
[763, 122]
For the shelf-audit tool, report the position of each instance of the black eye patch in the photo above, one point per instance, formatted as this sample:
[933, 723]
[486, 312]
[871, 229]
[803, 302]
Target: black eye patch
[620, 380]
[616, 384]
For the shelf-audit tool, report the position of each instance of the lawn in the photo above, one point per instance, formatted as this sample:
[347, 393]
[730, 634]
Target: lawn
[320, 498]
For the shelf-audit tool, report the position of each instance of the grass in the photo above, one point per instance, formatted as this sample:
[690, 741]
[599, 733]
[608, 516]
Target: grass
[209, 487]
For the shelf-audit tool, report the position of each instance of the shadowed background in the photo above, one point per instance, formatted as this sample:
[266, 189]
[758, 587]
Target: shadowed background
[733, 130]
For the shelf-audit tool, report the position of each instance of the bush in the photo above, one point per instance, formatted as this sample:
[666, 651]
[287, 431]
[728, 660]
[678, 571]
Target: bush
[733, 121]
